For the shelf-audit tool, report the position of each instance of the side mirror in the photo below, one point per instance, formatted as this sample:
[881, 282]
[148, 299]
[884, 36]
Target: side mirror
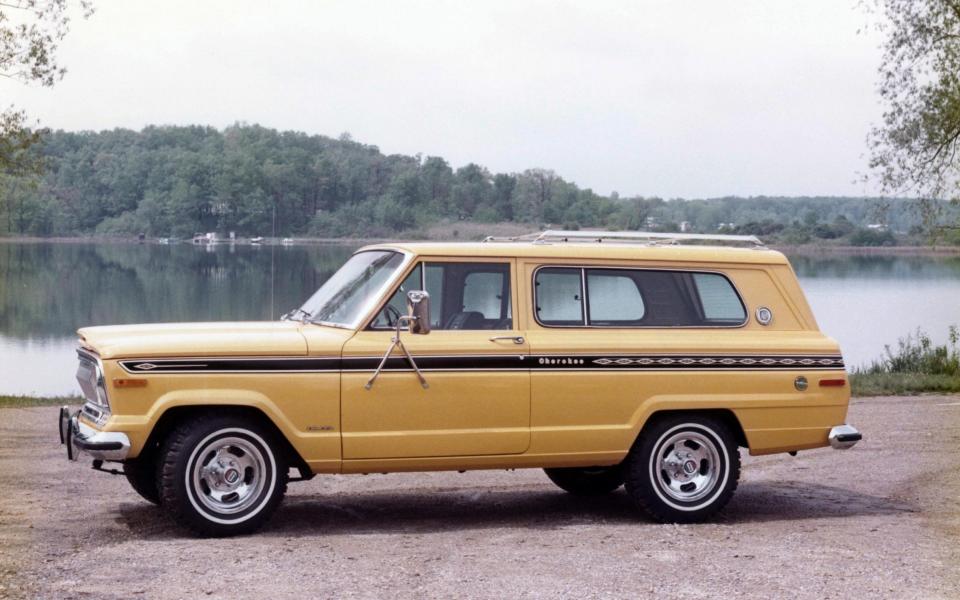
[418, 307]
[418, 320]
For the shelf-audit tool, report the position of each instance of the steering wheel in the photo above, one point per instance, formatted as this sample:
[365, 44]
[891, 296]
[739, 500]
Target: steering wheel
[392, 315]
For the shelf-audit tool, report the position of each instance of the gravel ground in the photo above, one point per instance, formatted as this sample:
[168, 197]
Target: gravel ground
[881, 520]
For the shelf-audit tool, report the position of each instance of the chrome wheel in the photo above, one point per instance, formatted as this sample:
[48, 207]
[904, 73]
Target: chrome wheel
[683, 468]
[223, 474]
[686, 465]
[228, 474]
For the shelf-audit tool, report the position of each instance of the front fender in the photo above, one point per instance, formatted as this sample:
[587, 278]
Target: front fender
[321, 450]
[138, 427]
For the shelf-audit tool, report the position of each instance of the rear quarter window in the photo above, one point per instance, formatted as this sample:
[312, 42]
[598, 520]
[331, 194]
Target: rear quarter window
[618, 297]
[719, 300]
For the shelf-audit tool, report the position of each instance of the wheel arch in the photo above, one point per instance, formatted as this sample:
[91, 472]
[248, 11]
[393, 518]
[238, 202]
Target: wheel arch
[171, 416]
[725, 415]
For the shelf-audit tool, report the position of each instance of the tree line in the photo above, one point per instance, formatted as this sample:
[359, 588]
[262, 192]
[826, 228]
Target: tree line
[248, 179]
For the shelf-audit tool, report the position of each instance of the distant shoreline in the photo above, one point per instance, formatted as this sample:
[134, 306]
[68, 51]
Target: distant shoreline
[815, 249]
[803, 250]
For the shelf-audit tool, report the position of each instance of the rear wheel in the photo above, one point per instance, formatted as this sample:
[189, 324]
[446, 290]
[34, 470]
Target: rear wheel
[683, 468]
[141, 473]
[222, 476]
[591, 481]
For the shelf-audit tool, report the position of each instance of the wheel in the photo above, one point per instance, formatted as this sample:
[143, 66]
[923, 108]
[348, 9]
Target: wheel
[683, 469]
[221, 475]
[591, 481]
[141, 472]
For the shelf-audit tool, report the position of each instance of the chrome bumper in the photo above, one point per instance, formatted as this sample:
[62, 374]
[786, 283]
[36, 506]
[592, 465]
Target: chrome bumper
[844, 436]
[79, 437]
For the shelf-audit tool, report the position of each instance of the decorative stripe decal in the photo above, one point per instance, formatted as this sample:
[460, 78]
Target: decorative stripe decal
[491, 362]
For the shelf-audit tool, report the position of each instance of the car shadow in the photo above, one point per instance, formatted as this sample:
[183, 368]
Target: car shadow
[798, 500]
[531, 507]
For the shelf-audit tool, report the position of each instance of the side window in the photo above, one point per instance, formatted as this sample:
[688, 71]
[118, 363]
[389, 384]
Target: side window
[719, 300]
[613, 299]
[559, 296]
[397, 305]
[635, 298]
[462, 296]
[477, 296]
[433, 276]
[469, 296]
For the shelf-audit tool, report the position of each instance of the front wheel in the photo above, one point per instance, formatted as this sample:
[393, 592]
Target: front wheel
[683, 469]
[141, 474]
[221, 476]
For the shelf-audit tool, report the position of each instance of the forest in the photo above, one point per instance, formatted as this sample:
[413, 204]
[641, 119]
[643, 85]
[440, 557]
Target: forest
[178, 181]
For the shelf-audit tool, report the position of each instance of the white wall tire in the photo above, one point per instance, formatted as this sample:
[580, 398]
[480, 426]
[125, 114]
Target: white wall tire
[683, 468]
[221, 476]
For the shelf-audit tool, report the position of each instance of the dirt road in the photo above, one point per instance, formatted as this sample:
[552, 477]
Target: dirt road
[880, 520]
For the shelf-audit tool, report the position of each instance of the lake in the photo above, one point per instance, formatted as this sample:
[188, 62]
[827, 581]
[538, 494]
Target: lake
[48, 290]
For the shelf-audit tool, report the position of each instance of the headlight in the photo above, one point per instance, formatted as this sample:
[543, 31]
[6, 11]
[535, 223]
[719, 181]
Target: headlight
[92, 383]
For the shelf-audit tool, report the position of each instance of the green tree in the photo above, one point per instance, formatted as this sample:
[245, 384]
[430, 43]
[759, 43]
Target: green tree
[438, 182]
[30, 35]
[184, 180]
[503, 188]
[914, 149]
[472, 189]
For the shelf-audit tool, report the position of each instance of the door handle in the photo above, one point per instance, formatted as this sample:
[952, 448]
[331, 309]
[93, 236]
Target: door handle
[517, 339]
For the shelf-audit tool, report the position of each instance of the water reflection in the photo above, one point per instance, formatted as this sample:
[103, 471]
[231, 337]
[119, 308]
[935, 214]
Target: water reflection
[877, 267]
[48, 290]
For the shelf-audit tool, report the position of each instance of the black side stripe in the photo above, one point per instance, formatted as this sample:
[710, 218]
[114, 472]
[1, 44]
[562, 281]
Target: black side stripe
[492, 362]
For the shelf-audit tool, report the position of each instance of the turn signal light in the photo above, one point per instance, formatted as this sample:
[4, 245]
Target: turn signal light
[833, 382]
[129, 383]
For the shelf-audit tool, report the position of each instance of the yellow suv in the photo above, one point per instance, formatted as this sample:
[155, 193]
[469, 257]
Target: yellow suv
[606, 359]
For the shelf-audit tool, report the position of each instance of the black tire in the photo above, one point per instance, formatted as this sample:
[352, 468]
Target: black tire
[590, 481]
[250, 475]
[683, 469]
[141, 473]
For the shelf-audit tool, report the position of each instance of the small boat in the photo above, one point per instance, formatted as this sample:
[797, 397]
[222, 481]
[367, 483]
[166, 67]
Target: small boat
[287, 241]
[257, 240]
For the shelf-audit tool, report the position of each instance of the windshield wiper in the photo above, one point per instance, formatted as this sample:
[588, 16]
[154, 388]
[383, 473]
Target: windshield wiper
[305, 316]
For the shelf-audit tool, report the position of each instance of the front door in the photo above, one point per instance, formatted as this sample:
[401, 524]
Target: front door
[474, 360]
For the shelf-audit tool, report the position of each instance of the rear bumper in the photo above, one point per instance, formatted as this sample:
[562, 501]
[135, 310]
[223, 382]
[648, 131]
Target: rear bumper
[844, 436]
[79, 437]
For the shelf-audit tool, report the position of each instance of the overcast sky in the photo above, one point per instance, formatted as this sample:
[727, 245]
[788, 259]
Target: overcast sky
[676, 99]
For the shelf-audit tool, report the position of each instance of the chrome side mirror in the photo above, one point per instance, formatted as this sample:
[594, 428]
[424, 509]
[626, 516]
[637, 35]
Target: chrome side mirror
[417, 321]
[418, 308]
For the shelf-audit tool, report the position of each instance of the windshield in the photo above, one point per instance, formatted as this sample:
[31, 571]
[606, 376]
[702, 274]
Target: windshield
[359, 282]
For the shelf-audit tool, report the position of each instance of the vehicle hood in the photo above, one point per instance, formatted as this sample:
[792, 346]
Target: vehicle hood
[258, 338]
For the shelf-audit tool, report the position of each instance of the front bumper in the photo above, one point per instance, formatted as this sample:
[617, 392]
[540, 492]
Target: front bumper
[844, 436]
[79, 437]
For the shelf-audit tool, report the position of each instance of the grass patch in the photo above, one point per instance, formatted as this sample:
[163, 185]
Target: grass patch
[25, 401]
[916, 366]
[902, 384]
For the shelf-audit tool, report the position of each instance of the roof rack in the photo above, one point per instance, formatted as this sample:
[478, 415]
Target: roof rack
[631, 237]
